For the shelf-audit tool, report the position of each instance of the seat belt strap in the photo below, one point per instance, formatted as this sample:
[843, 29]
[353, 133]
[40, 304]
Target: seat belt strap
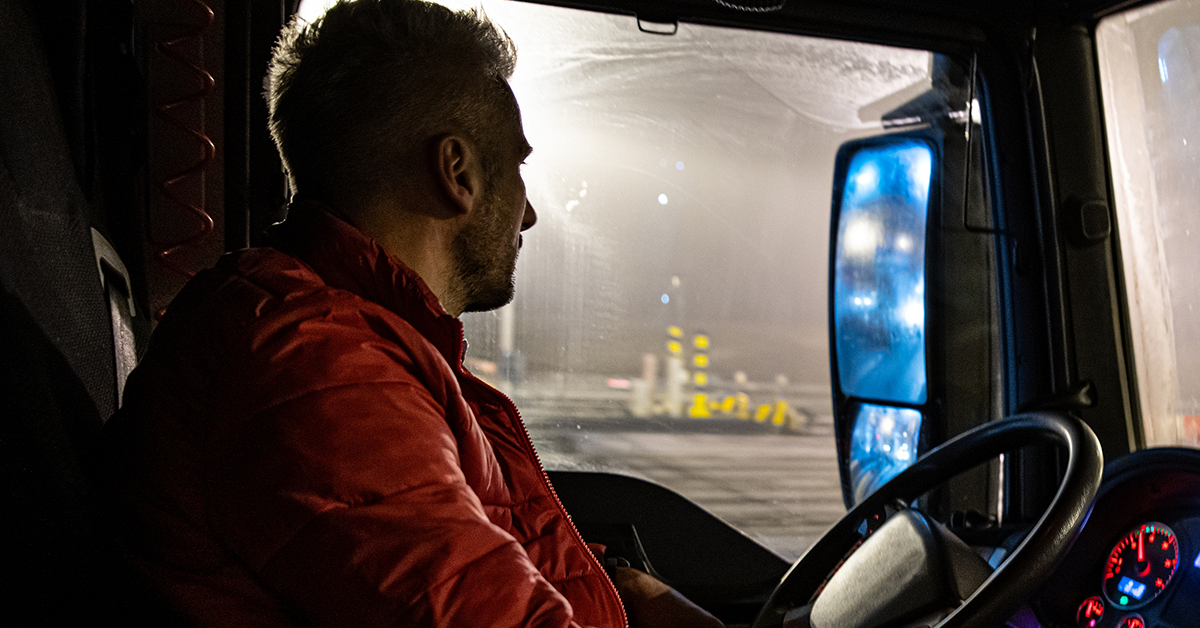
[114, 280]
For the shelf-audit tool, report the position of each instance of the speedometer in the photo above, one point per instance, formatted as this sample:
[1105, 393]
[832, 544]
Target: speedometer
[1141, 565]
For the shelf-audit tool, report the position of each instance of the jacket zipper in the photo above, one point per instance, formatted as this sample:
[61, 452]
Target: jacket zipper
[546, 481]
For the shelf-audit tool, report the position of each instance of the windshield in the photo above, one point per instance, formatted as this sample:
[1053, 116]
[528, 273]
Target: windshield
[670, 320]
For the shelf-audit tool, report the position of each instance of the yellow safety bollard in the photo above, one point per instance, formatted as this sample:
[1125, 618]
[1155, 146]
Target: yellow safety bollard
[741, 406]
[781, 408]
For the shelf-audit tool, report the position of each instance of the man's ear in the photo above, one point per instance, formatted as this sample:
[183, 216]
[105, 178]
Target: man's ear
[458, 171]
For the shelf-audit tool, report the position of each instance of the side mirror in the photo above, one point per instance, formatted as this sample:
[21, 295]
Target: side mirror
[877, 302]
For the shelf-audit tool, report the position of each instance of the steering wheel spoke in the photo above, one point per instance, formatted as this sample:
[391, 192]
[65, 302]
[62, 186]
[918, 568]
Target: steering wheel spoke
[911, 569]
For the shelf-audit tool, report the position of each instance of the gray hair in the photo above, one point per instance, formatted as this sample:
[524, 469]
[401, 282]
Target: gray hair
[355, 97]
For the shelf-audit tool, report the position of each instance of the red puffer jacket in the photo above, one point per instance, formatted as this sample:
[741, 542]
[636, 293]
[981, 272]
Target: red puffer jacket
[302, 446]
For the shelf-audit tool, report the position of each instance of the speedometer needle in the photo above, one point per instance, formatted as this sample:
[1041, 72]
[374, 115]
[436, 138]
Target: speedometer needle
[1142, 554]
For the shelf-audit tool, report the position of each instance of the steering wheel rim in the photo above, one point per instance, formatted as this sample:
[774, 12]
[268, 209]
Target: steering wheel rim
[1025, 568]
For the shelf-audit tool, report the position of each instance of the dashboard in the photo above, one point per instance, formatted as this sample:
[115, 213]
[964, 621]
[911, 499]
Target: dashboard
[1137, 562]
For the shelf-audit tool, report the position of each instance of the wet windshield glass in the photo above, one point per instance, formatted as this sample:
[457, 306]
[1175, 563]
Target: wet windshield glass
[670, 320]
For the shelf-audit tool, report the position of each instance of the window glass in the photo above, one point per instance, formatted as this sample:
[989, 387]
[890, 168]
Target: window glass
[670, 320]
[1150, 75]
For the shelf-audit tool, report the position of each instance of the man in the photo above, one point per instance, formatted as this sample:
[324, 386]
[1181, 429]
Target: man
[301, 444]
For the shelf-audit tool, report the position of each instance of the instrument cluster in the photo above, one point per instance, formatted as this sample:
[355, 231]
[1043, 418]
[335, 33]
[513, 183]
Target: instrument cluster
[1137, 562]
[1139, 569]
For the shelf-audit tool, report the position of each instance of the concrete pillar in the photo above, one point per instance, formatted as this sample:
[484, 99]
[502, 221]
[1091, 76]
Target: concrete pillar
[676, 374]
[642, 404]
[507, 342]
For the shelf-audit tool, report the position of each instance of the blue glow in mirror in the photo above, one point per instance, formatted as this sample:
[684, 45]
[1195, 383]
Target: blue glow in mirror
[884, 443]
[879, 273]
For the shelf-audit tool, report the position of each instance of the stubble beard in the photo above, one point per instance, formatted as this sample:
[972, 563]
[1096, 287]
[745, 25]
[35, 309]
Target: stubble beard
[485, 260]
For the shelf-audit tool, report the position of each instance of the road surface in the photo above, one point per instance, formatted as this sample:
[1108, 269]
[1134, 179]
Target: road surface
[780, 488]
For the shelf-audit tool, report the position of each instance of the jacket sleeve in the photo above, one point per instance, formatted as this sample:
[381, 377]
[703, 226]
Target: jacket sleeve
[336, 480]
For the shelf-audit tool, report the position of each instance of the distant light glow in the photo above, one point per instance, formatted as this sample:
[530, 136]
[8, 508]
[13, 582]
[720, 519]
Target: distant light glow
[866, 180]
[1197, 563]
[662, 199]
[904, 242]
[572, 204]
[1162, 70]
[623, 384]
[913, 313]
[679, 165]
[666, 299]
[862, 237]
[583, 193]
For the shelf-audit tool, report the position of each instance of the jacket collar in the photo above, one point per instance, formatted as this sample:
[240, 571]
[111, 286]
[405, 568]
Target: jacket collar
[347, 259]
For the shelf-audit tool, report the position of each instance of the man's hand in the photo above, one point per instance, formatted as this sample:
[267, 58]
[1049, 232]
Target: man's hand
[652, 604]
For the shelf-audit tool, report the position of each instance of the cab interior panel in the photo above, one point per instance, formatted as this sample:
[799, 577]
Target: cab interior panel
[134, 151]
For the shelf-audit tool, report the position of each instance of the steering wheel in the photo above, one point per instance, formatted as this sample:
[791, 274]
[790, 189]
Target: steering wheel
[911, 564]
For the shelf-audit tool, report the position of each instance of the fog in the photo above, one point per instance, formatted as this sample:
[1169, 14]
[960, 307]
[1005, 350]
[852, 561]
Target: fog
[682, 180]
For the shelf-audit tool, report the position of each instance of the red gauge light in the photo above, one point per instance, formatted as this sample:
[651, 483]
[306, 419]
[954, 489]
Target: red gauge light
[1141, 565]
[1090, 612]
[1132, 621]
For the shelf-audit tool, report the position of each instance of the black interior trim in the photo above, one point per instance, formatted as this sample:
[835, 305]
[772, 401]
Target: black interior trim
[706, 559]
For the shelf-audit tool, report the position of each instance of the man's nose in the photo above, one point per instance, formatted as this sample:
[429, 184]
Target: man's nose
[530, 216]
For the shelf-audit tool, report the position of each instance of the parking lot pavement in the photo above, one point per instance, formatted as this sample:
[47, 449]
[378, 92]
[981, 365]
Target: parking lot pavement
[780, 488]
